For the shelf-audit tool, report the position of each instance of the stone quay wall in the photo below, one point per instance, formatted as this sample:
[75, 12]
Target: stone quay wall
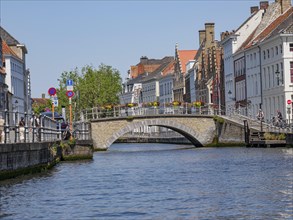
[22, 158]
[230, 132]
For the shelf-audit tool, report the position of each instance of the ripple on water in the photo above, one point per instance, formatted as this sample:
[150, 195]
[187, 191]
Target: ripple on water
[137, 183]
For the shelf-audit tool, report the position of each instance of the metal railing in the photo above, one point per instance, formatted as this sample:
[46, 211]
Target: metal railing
[237, 114]
[82, 130]
[35, 129]
[98, 112]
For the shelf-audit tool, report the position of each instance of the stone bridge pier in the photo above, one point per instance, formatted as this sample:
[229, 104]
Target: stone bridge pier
[199, 130]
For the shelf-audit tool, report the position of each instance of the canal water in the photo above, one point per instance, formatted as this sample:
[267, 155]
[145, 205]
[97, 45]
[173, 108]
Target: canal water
[157, 181]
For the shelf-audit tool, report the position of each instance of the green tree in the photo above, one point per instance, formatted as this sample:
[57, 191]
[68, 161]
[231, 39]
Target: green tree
[93, 87]
[98, 87]
[39, 107]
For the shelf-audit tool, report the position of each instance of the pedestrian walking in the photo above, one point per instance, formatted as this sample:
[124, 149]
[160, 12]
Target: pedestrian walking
[21, 125]
[260, 115]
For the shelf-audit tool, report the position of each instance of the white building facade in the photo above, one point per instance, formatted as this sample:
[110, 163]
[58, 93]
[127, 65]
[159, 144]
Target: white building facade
[15, 79]
[166, 89]
[231, 44]
[151, 88]
[17, 76]
[277, 72]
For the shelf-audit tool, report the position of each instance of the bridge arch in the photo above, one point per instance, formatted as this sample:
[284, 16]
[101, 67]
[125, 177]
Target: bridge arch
[198, 130]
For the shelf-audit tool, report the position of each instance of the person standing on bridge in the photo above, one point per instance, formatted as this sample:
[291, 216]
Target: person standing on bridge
[21, 125]
[260, 115]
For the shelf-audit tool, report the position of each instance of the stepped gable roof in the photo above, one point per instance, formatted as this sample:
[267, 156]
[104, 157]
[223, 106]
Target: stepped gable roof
[6, 50]
[184, 56]
[277, 24]
[200, 49]
[7, 37]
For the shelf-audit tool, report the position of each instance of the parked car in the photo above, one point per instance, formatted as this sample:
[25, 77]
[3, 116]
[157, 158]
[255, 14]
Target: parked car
[50, 114]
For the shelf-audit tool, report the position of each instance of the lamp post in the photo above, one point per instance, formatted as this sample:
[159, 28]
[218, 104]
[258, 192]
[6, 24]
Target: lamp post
[278, 77]
[16, 108]
[230, 106]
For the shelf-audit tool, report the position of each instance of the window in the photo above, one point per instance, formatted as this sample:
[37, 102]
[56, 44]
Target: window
[276, 50]
[274, 75]
[264, 55]
[291, 47]
[291, 71]
[281, 48]
[256, 88]
[269, 79]
[268, 52]
[282, 75]
[265, 78]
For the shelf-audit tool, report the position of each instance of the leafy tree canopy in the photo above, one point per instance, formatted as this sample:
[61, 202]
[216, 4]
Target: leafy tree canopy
[92, 87]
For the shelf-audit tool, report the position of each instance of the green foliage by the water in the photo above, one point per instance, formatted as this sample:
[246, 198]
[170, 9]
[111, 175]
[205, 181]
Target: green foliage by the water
[92, 87]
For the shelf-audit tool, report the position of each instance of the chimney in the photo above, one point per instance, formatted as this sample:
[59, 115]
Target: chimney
[210, 32]
[285, 5]
[253, 9]
[202, 35]
[43, 96]
[263, 5]
[224, 35]
[143, 59]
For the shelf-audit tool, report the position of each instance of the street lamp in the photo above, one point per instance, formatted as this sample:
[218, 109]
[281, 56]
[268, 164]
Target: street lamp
[278, 77]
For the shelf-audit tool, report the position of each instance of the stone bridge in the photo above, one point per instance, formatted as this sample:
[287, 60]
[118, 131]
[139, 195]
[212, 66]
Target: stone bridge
[200, 130]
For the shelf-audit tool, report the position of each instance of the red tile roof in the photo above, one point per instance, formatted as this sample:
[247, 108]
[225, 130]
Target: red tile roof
[6, 50]
[184, 56]
[267, 31]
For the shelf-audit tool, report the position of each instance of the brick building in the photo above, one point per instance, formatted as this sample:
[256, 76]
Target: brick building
[182, 57]
[209, 65]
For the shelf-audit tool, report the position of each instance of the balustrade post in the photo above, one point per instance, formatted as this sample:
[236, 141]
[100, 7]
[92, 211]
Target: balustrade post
[41, 134]
[82, 131]
[34, 127]
[16, 128]
[59, 133]
[6, 128]
[26, 138]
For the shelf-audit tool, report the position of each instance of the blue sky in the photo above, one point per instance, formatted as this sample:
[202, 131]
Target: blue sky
[62, 35]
